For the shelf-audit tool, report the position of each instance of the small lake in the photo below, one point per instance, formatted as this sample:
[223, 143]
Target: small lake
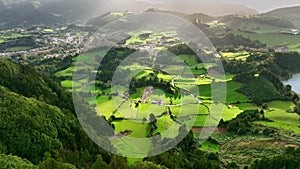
[294, 82]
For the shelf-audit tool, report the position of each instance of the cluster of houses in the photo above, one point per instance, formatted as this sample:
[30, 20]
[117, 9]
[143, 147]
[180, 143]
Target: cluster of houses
[52, 44]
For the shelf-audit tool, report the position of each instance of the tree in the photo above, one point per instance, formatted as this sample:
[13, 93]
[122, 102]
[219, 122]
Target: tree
[146, 165]
[100, 164]
[152, 117]
[118, 162]
[51, 163]
[265, 106]
[9, 161]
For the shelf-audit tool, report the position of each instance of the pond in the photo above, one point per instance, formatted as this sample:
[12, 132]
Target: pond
[294, 82]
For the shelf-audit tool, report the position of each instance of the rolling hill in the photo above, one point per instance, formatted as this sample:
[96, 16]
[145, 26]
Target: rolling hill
[16, 13]
[208, 8]
[24, 13]
[291, 14]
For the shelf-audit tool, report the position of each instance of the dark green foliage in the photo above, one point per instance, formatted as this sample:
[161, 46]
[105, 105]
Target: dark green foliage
[290, 160]
[232, 40]
[99, 163]
[52, 65]
[10, 162]
[111, 61]
[51, 163]
[186, 155]
[152, 125]
[288, 61]
[20, 41]
[146, 165]
[181, 49]
[242, 123]
[236, 66]
[153, 80]
[260, 90]
[118, 162]
[29, 127]
[27, 82]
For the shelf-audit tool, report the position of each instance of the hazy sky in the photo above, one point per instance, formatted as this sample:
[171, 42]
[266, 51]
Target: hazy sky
[259, 5]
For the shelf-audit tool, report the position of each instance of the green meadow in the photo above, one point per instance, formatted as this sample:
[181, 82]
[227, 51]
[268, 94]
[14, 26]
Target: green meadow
[274, 39]
[241, 55]
[18, 48]
[278, 113]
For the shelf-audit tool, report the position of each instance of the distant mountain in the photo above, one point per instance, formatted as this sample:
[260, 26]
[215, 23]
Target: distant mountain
[28, 12]
[166, 11]
[199, 17]
[212, 9]
[106, 18]
[257, 23]
[291, 14]
[25, 13]
[187, 6]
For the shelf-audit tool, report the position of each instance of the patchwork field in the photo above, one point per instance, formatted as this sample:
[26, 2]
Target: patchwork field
[170, 110]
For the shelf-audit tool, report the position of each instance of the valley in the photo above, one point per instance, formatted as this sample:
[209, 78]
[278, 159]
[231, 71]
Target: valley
[151, 99]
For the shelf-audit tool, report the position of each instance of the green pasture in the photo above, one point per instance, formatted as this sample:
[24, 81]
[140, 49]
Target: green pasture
[241, 55]
[274, 39]
[210, 147]
[277, 112]
[90, 57]
[18, 48]
[139, 130]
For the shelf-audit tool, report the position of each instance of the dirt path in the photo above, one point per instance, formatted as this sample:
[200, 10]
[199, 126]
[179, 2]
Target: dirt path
[209, 129]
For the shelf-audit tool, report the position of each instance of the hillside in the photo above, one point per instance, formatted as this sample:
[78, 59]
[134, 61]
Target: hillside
[19, 13]
[24, 13]
[257, 23]
[24, 120]
[37, 118]
[291, 14]
[208, 8]
[20, 79]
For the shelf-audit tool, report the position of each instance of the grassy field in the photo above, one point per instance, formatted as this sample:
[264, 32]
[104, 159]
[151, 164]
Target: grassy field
[106, 106]
[247, 106]
[191, 60]
[210, 147]
[274, 39]
[67, 72]
[167, 127]
[232, 96]
[139, 130]
[18, 48]
[241, 55]
[69, 84]
[259, 27]
[12, 35]
[219, 112]
[281, 119]
[93, 89]
[132, 147]
[90, 57]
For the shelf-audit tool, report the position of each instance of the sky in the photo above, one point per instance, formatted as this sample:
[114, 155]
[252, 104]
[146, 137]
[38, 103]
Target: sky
[259, 5]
